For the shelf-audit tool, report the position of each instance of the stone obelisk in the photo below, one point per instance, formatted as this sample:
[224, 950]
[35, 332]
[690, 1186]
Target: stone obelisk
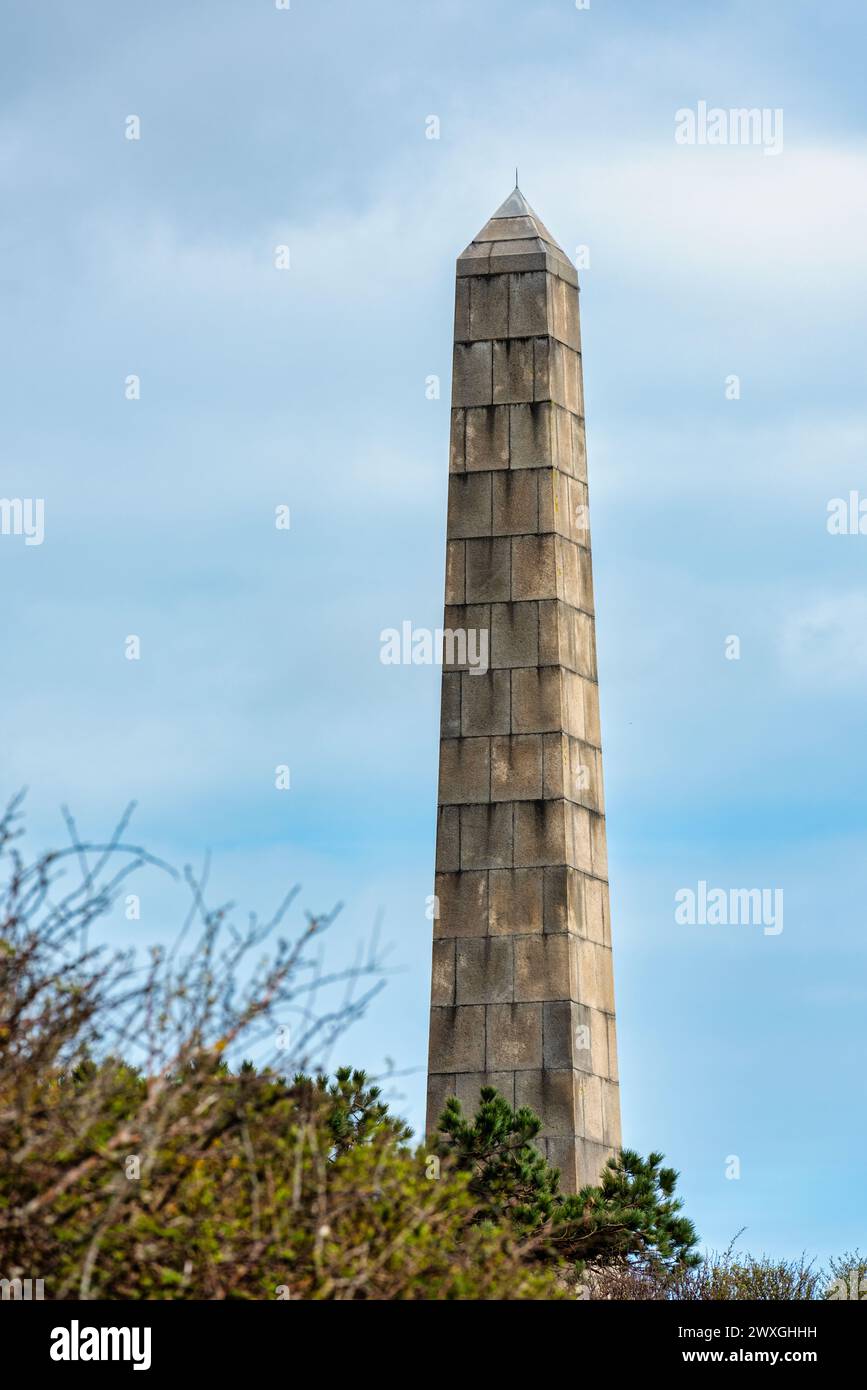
[522, 996]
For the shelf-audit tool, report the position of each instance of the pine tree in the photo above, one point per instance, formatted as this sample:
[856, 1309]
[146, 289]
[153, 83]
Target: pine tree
[632, 1212]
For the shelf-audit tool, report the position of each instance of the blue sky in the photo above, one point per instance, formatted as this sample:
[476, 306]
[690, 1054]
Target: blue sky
[155, 257]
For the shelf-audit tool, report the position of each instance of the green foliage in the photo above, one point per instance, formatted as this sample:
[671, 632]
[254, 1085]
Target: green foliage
[633, 1212]
[254, 1187]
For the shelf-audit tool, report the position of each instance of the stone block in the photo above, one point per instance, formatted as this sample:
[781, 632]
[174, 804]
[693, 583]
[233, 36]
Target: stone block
[564, 1152]
[484, 971]
[457, 1039]
[560, 1021]
[465, 771]
[514, 257]
[487, 438]
[591, 1160]
[515, 503]
[579, 449]
[514, 636]
[564, 900]
[596, 900]
[530, 436]
[488, 569]
[577, 640]
[471, 378]
[528, 304]
[486, 836]
[442, 989]
[574, 705]
[613, 1072]
[514, 1036]
[534, 572]
[592, 731]
[450, 705]
[456, 572]
[563, 300]
[542, 386]
[462, 311]
[463, 904]
[513, 371]
[485, 703]
[611, 1113]
[540, 833]
[448, 839]
[515, 901]
[551, 1095]
[570, 768]
[578, 848]
[469, 1086]
[507, 229]
[466, 638]
[557, 375]
[516, 768]
[590, 1091]
[536, 700]
[595, 975]
[440, 1088]
[469, 511]
[598, 845]
[457, 459]
[475, 260]
[562, 440]
[489, 306]
[544, 968]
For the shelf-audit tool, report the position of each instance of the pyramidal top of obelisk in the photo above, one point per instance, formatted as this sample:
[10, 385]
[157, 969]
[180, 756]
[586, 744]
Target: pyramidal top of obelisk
[515, 230]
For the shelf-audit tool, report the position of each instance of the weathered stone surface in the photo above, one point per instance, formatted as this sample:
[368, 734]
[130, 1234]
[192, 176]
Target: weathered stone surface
[528, 304]
[448, 839]
[485, 703]
[456, 572]
[486, 836]
[469, 1084]
[488, 570]
[534, 569]
[472, 381]
[531, 438]
[543, 833]
[513, 370]
[514, 635]
[450, 707]
[551, 1095]
[536, 700]
[515, 503]
[484, 971]
[457, 450]
[545, 968]
[463, 904]
[469, 505]
[457, 1040]
[442, 989]
[465, 771]
[516, 768]
[489, 306]
[514, 1037]
[487, 438]
[515, 901]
